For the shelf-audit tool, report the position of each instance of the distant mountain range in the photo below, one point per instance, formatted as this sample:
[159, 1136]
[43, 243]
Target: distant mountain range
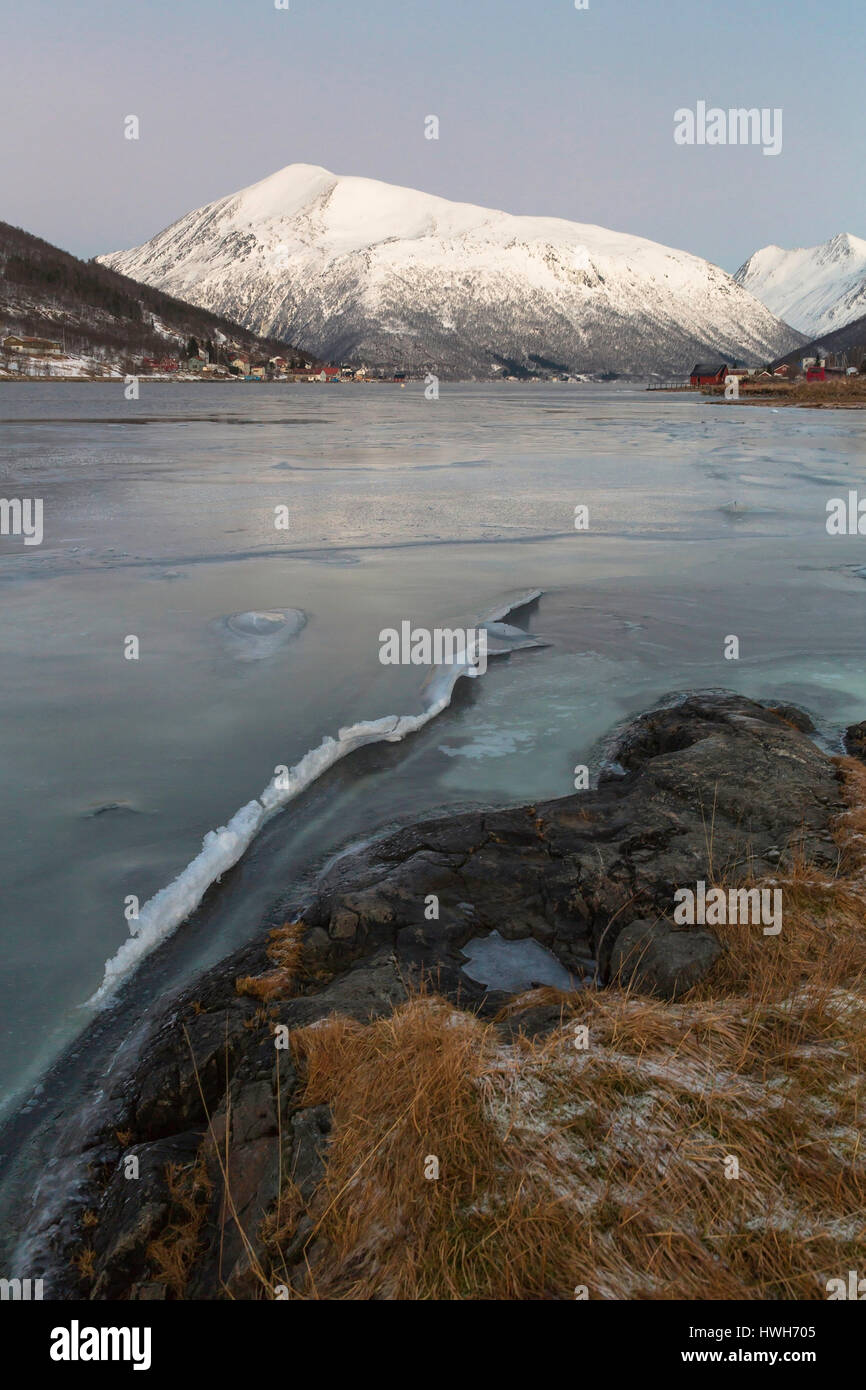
[99, 316]
[816, 289]
[355, 270]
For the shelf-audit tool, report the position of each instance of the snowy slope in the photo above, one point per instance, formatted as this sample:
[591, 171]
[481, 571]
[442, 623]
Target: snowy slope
[103, 320]
[816, 288]
[349, 268]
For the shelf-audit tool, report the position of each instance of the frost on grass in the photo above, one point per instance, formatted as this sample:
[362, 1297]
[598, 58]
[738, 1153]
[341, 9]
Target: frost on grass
[609, 1165]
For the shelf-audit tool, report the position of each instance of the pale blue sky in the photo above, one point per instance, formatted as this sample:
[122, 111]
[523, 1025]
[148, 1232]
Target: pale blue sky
[543, 109]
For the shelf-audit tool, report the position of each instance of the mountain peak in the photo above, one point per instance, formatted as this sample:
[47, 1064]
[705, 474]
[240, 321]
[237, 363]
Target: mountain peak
[845, 244]
[353, 268]
[816, 289]
[284, 192]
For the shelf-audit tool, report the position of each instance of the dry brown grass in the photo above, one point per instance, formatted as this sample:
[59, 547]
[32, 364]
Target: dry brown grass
[174, 1252]
[607, 1166]
[84, 1261]
[285, 951]
[837, 391]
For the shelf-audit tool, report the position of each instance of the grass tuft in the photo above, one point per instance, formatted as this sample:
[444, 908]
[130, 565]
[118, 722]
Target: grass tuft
[174, 1252]
[285, 951]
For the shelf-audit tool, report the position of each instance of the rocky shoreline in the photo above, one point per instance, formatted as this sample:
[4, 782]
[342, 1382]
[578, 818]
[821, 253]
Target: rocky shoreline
[185, 1153]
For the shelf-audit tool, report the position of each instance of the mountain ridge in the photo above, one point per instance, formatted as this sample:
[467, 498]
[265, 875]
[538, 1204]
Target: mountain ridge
[817, 289]
[356, 269]
[101, 315]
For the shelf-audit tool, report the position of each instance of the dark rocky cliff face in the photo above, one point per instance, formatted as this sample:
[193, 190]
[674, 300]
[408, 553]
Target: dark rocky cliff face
[715, 788]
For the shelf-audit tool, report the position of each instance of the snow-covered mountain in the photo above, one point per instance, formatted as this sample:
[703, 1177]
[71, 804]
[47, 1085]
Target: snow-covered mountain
[815, 288]
[353, 269]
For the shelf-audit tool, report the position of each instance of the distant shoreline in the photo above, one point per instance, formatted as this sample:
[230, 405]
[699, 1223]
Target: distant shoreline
[788, 399]
[847, 394]
[805, 405]
[185, 381]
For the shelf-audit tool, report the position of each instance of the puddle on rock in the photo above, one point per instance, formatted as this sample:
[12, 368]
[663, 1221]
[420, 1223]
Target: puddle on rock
[514, 966]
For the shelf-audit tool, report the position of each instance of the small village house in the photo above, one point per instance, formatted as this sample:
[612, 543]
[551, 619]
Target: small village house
[709, 373]
[823, 366]
[819, 371]
[325, 374]
[32, 347]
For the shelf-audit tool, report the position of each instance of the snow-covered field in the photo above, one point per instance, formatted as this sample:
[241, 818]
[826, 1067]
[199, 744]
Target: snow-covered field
[67, 368]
